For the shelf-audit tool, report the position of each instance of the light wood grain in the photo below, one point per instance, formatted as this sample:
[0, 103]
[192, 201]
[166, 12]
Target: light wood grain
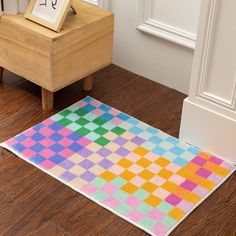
[87, 83]
[47, 99]
[1, 74]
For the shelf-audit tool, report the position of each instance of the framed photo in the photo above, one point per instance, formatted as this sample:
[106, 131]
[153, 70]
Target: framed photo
[49, 13]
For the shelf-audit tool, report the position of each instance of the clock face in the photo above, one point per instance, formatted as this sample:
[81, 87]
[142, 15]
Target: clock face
[47, 9]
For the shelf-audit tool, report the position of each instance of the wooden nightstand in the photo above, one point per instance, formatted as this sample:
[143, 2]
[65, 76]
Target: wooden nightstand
[54, 60]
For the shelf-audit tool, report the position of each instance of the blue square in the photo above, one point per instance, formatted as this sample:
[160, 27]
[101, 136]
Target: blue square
[106, 116]
[20, 137]
[37, 147]
[57, 159]
[74, 136]
[104, 107]
[152, 130]
[123, 116]
[193, 150]
[172, 140]
[75, 147]
[135, 130]
[37, 137]
[55, 127]
[37, 159]
[155, 140]
[56, 137]
[19, 147]
[89, 107]
[177, 150]
[159, 151]
[56, 147]
[180, 161]
[132, 121]
[38, 127]
[88, 99]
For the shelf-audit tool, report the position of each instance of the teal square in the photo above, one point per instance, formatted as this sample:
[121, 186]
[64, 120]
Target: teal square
[121, 195]
[73, 126]
[73, 117]
[57, 117]
[148, 145]
[73, 107]
[141, 194]
[123, 209]
[164, 207]
[118, 182]
[144, 208]
[100, 196]
[108, 126]
[91, 126]
[90, 116]
[147, 223]
[92, 136]
[168, 222]
[98, 182]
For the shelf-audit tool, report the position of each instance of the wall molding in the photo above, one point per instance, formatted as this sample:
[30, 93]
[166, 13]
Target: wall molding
[100, 3]
[159, 29]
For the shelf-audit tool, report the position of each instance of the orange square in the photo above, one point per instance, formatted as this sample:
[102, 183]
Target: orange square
[176, 214]
[153, 200]
[144, 162]
[186, 173]
[221, 171]
[210, 166]
[196, 179]
[108, 176]
[146, 174]
[141, 151]
[192, 197]
[169, 186]
[192, 167]
[162, 162]
[125, 163]
[129, 188]
[149, 187]
[165, 174]
[207, 184]
[205, 155]
[127, 175]
[181, 192]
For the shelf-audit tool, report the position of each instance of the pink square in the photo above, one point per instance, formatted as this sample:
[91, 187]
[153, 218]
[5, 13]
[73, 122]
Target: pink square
[89, 189]
[47, 164]
[98, 112]
[176, 179]
[48, 122]
[188, 185]
[64, 132]
[47, 153]
[136, 169]
[161, 193]
[199, 161]
[111, 202]
[47, 142]
[95, 103]
[173, 167]
[202, 192]
[114, 112]
[81, 103]
[135, 216]
[185, 206]
[173, 199]
[28, 153]
[157, 180]
[46, 131]
[116, 121]
[116, 169]
[132, 201]
[66, 153]
[151, 156]
[11, 142]
[156, 214]
[84, 142]
[138, 181]
[216, 160]
[160, 229]
[29, 132]
[133, 157]
[109, 188]
[154, 168]
[65, 142]
[28, 142]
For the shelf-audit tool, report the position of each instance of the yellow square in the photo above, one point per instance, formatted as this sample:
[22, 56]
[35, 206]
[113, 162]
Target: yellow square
[149, 187]
[108, 176]
[169, 186]
[95, 158]
[110, 135]
[184, 172]
[97, 170]
[153, 200]
[78, 183]
[144, 162]
[146, 174]
[162, 162]
[221, 171]
[205, 155]
[94, 147]
[207, 184]
[76, 158]
[129, 188]
[127, 175]
[57, 170]
[192, 197]
[140, 151]
[77, 170]
[125, 163]
[165, 174]
[176, 214]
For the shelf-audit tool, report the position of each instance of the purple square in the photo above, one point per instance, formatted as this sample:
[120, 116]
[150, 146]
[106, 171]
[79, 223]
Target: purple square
[173, 199]
[104, 152]
[120, 141]
[67, 176]
[216, 160]
[199, 161]
[137, 140]
[85, 152]
[188, 185]
[86, 164]
[88, 176]
[106, 164]
[122, 152]
[66, 164]
[203, 172]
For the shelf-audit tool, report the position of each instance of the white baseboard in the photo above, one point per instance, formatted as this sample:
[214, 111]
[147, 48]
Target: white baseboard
[208, 130]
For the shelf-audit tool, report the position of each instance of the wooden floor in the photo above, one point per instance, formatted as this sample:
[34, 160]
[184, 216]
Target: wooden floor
[33, 203]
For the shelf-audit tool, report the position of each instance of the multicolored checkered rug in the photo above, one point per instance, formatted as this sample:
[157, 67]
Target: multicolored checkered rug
[136, 171]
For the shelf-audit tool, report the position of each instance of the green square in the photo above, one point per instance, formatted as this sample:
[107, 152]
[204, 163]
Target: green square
[81, 112]
[101, 131]
[147, 222]
[144, 208]
[99, 121]
[102, 141]
[141, 194]
[118, 182]
[83, 131]
[64, 122]
[82, 121]
[164, 207]
[118, 130]
[120, 195]
[168, 222]
[65, 112]
[123, 209]
[98, 182]
[100, 196]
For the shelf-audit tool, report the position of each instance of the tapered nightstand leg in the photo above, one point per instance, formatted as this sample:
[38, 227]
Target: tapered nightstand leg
[47, 99]
[1, 74]
[88, 83]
